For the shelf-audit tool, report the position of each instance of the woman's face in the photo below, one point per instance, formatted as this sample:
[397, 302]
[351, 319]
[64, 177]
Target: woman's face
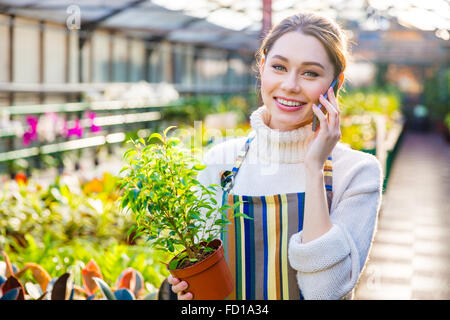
[295, 72]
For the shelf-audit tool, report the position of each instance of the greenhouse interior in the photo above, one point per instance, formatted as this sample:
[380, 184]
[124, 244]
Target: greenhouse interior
[81, 80]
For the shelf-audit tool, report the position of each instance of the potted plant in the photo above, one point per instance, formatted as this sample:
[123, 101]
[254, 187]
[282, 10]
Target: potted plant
[175, 211]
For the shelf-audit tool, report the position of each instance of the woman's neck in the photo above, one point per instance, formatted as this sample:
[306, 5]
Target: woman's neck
[279, 146]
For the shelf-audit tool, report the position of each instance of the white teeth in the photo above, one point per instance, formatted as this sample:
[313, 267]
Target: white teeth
[289, 103]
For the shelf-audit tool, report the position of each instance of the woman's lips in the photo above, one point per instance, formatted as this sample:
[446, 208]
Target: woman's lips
[286, 107]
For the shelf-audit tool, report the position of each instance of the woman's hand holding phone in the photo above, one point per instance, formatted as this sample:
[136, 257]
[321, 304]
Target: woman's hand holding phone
[334, 85]
[328, 133]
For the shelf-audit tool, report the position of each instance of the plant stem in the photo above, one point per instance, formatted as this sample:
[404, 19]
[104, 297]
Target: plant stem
[180, 235]
[191, 254]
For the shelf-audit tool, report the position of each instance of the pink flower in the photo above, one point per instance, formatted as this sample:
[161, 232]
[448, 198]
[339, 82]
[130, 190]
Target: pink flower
[92, 115]
[30, 134]
[77, 130]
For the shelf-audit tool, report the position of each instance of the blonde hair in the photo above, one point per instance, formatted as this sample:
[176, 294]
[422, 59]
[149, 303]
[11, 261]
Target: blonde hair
[328, 32]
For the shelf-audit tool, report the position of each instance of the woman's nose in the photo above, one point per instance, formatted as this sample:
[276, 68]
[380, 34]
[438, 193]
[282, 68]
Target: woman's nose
[291, 83]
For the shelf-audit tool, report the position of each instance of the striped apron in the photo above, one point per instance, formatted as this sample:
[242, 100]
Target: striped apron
[256, 249]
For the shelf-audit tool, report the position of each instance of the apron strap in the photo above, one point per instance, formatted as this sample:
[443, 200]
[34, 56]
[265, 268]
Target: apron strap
[227, 177]
[328, 179]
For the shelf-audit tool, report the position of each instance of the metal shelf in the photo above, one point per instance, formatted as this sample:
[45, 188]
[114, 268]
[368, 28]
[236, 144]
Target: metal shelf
[105, 121]
[63, 146]
[81, 106]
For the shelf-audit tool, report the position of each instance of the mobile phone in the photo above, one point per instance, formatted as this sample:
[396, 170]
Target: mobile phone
[335, 86]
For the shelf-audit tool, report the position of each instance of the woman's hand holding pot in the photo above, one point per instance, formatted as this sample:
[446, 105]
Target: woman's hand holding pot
[178, 287]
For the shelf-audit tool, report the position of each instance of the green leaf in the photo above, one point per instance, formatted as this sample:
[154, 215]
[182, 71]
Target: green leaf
[136, 193]
[157, 136]
[199, 167]
[122, 170]
[173, 142]
[105, 289]
[125, 202]
[170, 246]
[240, 214]
[130, 152]
[237, 204]
[173, 264]
[130, 230]
[168, 129]
[208, 214]
[220, 222]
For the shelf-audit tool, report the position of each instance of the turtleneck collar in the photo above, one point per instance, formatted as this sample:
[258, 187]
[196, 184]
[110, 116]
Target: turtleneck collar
[279, 146]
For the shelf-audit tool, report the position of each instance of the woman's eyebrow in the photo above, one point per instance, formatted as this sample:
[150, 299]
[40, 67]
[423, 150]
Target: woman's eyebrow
[277, 56]
[313, 63]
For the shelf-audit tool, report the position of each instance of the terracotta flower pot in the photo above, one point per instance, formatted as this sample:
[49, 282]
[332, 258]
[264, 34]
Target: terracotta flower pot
[210, 278]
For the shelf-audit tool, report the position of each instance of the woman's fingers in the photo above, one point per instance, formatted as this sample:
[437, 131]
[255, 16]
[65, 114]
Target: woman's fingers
[333, 110]
[178, 287]
[171, 280]
[334, 100]
[338, 114]
[332, 113]
[186, 296]
[322, 118]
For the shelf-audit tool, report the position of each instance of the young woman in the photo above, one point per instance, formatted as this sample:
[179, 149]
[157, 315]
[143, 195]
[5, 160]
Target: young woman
[313, 201]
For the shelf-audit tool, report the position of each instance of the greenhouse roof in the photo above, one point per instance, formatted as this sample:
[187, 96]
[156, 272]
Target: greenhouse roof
[231, 24]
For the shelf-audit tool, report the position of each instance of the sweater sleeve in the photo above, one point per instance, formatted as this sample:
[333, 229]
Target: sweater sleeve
[328, 267]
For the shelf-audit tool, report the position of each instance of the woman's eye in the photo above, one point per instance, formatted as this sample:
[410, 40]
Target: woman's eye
[311, 74]
[278, 67]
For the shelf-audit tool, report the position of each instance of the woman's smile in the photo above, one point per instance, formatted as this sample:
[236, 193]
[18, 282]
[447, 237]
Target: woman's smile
[289, 105]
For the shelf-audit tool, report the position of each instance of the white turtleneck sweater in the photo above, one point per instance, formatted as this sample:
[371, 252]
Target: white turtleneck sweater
[327, 267]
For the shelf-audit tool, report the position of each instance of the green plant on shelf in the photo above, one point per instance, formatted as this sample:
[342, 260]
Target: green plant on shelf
[197, 108]
[359, 107]
[66, 208]
[359, 137]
